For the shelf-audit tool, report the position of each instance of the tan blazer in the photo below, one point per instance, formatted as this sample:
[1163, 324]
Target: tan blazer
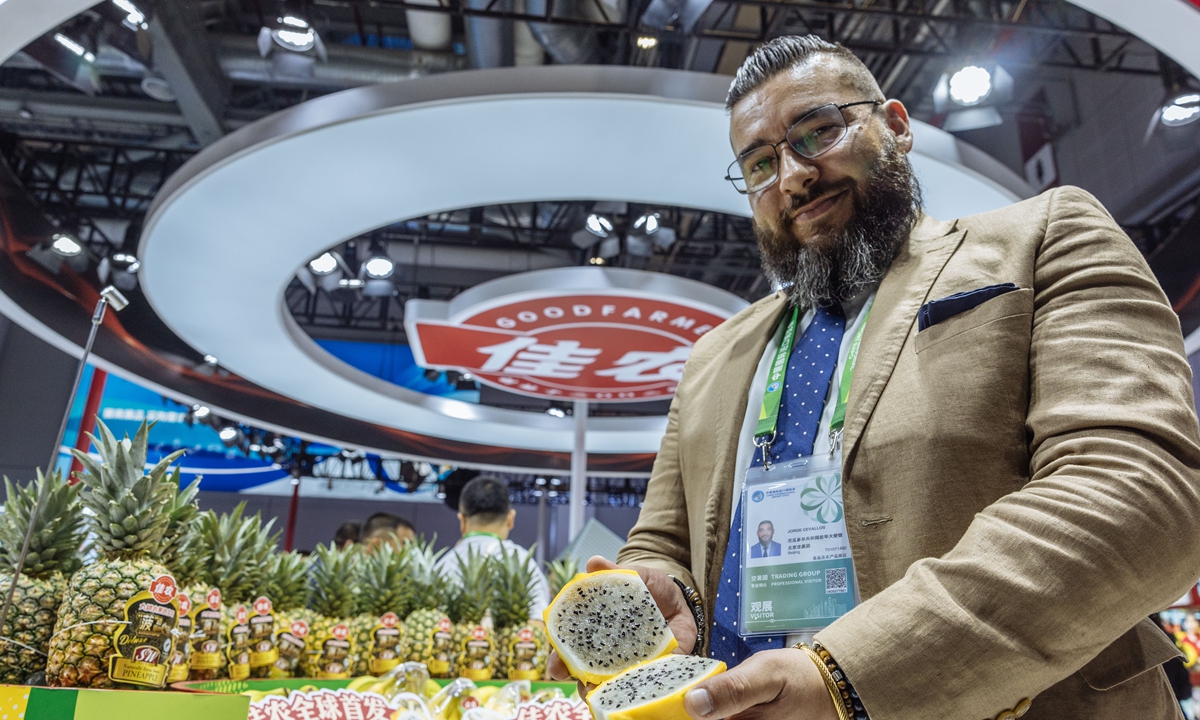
[1021, 481]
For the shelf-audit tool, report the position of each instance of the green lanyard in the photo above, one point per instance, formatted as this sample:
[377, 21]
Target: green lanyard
[768, 417]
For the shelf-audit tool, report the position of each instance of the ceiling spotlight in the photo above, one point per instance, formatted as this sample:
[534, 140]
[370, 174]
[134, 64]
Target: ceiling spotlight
[647, 223]
[135, 18]
[596, 260]
[970, 85]
[74, 47]
[1182, 110]
[323, 265]
[379, 267]
[292, 30]
[556, 412]
[228, 434]
[598, 225]
[65, 245]
[125, 262]
[647, 42]
[200, 412]
[210, 359]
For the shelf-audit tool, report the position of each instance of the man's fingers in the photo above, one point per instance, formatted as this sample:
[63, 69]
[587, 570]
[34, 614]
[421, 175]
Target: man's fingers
[596, 563]
[557, 669]
[730, 693]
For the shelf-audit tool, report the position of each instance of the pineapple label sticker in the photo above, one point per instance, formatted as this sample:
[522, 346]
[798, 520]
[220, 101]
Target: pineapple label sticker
[206, 637]
[334, 662]
[441, 640]
[291, 646]
[238, 644]
[181, 649]
[524, 654]
[385, 653]
[262, 643]
[144, 640]
[476, 655]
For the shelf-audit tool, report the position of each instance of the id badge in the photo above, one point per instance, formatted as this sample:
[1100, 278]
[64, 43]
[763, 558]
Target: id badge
[797, 571]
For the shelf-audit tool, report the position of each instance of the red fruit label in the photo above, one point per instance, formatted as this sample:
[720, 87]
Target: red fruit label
[299, 628]
[185, 603]
[479, 633]
[470, 702]
[444, 625]
[163, 589]
[213, 599]
[262, 606]
[389, 620]
[340, 631]
[241, 615]
[146, 654]
[525, 635]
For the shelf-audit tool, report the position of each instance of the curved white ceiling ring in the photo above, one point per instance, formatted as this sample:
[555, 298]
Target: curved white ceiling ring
[1171, 26]
[23, 21]
[228, 232]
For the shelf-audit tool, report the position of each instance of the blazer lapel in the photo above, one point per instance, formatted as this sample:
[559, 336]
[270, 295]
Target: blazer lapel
[900, 296]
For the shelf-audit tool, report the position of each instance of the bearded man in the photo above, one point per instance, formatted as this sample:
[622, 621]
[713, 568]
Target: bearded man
[977, 439]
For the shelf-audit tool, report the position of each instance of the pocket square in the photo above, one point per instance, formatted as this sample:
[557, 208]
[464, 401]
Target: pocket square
[935, 311]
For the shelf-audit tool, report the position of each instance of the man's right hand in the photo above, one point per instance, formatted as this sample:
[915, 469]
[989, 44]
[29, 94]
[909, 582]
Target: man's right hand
[670, 602]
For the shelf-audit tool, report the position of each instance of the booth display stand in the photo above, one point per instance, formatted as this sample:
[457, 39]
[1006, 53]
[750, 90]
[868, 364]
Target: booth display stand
[22, 702]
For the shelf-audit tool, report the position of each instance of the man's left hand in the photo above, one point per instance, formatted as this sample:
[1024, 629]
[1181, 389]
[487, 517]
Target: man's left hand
[771, 684]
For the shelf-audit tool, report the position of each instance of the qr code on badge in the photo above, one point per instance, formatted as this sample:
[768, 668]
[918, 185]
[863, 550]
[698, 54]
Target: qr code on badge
[836, 581]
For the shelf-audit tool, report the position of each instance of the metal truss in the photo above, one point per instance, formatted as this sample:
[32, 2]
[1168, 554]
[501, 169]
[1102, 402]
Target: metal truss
[92, 189]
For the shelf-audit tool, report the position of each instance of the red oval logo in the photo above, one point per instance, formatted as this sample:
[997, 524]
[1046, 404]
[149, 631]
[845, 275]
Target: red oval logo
[469, 702]
[185, 604]
[147, 654]
[525, 634]
[479, 633]
[299, 628]
[389, 620]
[213, 599]
[163, 589]
[241, 615]
[340, 631]
[262, 606]
[444, 625]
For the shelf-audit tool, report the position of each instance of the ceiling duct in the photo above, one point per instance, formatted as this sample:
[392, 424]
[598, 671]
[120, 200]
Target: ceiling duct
[565, 44]
[489, 41]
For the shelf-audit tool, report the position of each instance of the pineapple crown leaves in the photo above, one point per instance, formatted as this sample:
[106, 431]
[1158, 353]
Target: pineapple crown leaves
[513, 590]
[180, 536]
[238, 549]
[58, 529]
[332, 580]
[287, 580]
[382, 579]
[561, 572]
[129, 505]
[430, 586]
[471, 595]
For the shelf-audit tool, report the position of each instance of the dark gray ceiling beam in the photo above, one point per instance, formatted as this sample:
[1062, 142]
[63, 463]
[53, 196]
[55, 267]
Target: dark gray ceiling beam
[180, 51]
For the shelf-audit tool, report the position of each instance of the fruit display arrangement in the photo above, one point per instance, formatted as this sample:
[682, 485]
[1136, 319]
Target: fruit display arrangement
[164, 593]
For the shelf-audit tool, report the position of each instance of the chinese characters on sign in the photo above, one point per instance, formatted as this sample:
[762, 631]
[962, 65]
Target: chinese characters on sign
[600, 348]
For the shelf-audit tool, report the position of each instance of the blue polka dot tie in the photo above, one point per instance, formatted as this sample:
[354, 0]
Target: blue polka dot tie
[805, 387]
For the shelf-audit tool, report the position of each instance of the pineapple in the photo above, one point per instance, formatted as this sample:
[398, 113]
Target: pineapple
[474, 643]
[129, 516]
[428, 628]
[522, 644]
[286, 584]
[384, 597]
[233, 560]
[561, 572]
[331, 651]
[53, 555]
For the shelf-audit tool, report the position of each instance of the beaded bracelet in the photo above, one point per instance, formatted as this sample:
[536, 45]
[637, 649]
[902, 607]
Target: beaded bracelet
[854, 705]
[832, 685]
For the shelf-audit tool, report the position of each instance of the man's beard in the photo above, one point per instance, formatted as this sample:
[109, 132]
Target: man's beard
[835, 264]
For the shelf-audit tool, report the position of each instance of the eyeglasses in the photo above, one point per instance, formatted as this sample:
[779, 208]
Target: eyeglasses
[814, 134]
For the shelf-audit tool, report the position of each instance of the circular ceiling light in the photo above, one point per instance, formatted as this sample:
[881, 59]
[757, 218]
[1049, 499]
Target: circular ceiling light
[201, 411]
[970, 85]
[65, 245]
[228, 434]
[379, 267]
[323, 265]
[598, 225]
[1183, 110]
[294, 34]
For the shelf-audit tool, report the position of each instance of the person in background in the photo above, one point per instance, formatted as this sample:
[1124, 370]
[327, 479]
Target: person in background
[384, 527]
[485, 519]
[348, 534]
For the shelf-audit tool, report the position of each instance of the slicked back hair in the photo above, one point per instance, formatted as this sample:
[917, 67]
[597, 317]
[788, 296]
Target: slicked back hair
[784, 53]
